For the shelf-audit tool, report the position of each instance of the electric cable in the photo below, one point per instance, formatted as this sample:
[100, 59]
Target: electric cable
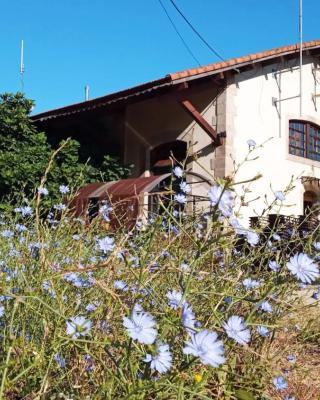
[196, 32]
[178, 33]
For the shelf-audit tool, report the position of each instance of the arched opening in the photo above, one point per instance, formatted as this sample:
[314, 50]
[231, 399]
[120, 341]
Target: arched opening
[160, 161]
[309, 200]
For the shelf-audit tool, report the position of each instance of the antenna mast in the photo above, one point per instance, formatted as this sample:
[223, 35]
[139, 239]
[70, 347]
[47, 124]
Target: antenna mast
[86, 92]
[300, 34]
[22, 65]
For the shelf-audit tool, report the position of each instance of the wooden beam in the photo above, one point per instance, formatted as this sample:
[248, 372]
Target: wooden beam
[195, 114]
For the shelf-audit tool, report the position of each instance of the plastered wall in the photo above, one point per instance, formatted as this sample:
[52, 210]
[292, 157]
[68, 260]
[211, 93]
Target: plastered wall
[250, 114]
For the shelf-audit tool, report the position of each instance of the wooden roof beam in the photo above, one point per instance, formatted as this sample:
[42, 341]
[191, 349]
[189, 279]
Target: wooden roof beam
[195, 114]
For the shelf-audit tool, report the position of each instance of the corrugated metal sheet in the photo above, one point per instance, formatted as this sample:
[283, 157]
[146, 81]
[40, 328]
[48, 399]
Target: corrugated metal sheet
[134, 186]
[125, 196]
[80, 202]
[103, 100]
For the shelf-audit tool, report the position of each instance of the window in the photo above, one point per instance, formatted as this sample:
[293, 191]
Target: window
[304, 139]
[160, 161]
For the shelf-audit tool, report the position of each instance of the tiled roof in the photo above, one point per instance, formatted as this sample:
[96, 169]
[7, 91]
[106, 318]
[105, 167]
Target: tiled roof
[239, 61]
[170, 79]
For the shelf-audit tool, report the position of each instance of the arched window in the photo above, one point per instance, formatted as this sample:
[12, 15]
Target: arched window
[160, 161]
[304, 139]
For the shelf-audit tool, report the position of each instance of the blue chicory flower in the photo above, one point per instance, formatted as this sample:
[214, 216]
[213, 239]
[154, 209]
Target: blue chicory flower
[303, 267]
[188, 318]
[279, 195]
[25, 211]
[180, 198]
[316, 245]
[89, 367]
[223, 198]
[120, 285]
[292, 358]
[236, 329]
[175, 299]
[178, 172]
[141, 326]
[238, 228]
[106, 244]
[250, 283]
[252, 238]
[207, 347]
[280, 383]
[64, 189]
[44, 191]
[185, 187]
[91, 307]
[265, 306]
[274, 266]
[263, 331]
[59, 207]
[161, 362]
[276, 237]
[78, 326]
[60, 360]
[7, 234]
[251, 143]
[21, 228]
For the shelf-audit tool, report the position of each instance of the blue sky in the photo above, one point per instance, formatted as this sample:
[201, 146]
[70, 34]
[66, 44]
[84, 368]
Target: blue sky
[112, 45]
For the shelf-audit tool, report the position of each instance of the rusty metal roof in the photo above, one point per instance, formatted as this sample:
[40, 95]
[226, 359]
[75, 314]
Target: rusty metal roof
[123, 195]
[104, 100]
[134, 186]
[115, 191]
[174, 78]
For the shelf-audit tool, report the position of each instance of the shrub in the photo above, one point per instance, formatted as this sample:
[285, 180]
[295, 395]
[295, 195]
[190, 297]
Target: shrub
[25, 152]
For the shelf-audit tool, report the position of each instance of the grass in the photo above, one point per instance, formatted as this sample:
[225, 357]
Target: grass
[61, 267]
[300, 336]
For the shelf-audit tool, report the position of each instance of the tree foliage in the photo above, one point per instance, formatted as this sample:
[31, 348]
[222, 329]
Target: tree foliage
[25, 153]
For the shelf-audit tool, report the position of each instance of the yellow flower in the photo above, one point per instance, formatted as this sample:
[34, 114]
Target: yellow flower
[198, 378]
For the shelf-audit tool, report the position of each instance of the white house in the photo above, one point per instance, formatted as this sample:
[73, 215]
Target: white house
[213, 111]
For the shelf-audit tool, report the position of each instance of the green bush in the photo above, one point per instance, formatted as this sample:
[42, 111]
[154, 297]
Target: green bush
[25, 153]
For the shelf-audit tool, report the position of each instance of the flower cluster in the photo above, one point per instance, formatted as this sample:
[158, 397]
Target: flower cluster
[176, 306]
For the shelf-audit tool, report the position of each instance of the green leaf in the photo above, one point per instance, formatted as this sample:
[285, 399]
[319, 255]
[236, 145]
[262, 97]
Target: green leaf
[242, 394]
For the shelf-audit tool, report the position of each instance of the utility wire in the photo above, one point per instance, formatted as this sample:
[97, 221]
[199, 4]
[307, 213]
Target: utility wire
[178, 33]
[195, 31]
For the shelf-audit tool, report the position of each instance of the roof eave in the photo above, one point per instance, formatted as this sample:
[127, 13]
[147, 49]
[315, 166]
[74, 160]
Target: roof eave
[102, 101]
[237, 66]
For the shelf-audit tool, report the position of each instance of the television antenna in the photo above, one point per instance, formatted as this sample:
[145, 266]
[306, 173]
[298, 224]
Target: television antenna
[22, 69]
[300, 37]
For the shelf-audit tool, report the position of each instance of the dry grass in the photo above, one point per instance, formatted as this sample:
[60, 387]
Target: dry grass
[300, 336]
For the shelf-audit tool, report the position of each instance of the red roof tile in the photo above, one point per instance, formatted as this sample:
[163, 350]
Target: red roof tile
[234, 63]
[237, 62]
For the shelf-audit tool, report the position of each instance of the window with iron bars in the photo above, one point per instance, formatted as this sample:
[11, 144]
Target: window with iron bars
[304, 139]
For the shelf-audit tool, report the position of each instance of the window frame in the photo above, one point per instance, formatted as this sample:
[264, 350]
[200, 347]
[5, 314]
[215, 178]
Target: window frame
[310, 142]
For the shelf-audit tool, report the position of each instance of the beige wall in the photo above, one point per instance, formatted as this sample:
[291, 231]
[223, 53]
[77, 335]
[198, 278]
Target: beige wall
[245, 111]
[163, 119]
[251, 115]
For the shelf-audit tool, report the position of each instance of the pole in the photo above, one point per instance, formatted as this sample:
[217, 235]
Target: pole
[22, 65]
[300, 34]
[86, 92]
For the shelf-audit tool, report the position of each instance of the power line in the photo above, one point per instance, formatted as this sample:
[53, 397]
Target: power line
[178, 33]
[195, 31]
